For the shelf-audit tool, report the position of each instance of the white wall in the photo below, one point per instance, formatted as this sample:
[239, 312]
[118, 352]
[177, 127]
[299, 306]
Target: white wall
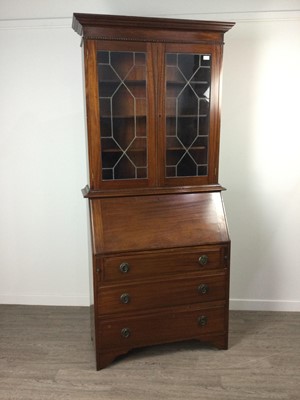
[43, 248]
[43, 220]
[260, 162]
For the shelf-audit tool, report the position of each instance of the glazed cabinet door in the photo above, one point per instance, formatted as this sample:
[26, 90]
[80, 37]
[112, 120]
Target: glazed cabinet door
[120, 108]
[189, 114]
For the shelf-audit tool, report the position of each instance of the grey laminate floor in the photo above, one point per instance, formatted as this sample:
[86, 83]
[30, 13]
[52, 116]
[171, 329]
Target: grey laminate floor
[46, 353]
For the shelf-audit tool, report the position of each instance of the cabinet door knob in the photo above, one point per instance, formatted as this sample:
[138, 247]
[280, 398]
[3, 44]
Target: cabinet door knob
[202, 320]
[203, 288]
[125, 298]
[125, 333]
[203, 260]
[124, 267]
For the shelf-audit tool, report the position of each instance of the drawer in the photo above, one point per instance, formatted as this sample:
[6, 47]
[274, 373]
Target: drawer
[157, 294]
[159, 263]
[169, 326]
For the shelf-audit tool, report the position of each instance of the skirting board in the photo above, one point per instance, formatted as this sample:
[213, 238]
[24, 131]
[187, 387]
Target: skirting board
[45, 300]
[264, 305]
[79, 300]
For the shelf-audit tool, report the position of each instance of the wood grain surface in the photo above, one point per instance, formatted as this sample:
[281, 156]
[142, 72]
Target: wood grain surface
[156, 222]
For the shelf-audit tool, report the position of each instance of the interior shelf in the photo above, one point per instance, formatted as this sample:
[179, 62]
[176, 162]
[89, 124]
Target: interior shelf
[177, 83]
[187, 116]
[123, 116]
[189, 148]
[127, 82]
[123, 151]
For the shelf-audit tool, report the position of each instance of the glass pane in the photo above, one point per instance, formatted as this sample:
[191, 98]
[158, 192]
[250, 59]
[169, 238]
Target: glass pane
[188, 79]
[123, 114]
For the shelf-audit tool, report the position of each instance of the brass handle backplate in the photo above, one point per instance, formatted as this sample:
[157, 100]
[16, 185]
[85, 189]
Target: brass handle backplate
[125, 298]
[203, 260]
[202, 320]
[125, 333]
[124, 267]
[203, 288]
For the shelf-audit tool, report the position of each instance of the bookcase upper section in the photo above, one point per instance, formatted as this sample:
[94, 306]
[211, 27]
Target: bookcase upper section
[152, 100]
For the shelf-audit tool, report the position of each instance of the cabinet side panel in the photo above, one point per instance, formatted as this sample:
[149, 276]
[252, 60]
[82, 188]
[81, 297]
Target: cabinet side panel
[215, 115]
[96, 226]
[94, 220]
[92, 111]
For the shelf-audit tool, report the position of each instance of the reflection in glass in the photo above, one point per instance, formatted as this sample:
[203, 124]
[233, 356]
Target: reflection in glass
[123, 117]
[188, 79]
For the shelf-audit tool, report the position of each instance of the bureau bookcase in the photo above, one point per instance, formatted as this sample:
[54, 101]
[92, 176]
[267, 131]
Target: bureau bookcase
[160, 243]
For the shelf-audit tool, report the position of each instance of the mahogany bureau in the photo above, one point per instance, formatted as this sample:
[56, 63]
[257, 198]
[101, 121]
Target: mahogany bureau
[160, 243]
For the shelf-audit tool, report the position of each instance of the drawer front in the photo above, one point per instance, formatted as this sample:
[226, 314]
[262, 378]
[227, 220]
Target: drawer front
[151, 295]
[163, 327]
[154, 264]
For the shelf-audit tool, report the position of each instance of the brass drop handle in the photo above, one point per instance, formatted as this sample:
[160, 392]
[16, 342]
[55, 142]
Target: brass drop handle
[202, 320]
[203, 260]
[124, 267]
[125, 333]
[203, 288]
[125, 298]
